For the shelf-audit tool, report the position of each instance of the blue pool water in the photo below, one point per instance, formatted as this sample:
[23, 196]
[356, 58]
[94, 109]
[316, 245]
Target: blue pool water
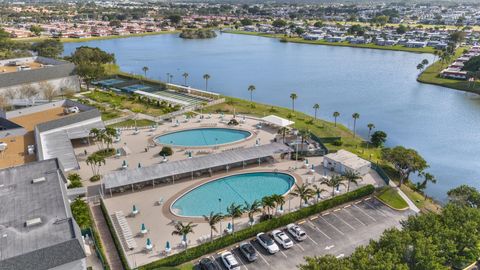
[203, 137]
[237, 189]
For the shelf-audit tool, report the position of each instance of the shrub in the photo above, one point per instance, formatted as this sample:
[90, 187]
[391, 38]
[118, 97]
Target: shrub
[166, 151]
[75, 180]
[200, 250]
[338, 142]
[81, 213]
[95, 178]
[105, 152]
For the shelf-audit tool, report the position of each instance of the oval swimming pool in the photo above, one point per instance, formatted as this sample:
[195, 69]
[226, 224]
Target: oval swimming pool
[203, 137]
[216, 195]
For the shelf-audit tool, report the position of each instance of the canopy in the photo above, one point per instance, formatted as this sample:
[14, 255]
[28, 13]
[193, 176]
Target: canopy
[277, 121]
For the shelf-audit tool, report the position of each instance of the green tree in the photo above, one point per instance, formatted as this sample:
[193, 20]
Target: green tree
[405, 161]
[212, 221]
[184, 230]
[318, 24]
[401, 29]
[175, 18]
[185, 77]
[370, 126]
[316, 107]
[464, 196]
[472, 65]
[351, 177]
[279, 23]
[304, 192]
[251, 88]
[252, 209]
[378, 138]
[145, 70]
[335, 116]
[318, 191]
[36, 30]
[234, 211]
[206, 77]
[51, 48]
[268, 203]
[334, 182]
[246, 21]
[457, 37]
[293, 97]
[95, 161]
[355, 116]
[279, 200]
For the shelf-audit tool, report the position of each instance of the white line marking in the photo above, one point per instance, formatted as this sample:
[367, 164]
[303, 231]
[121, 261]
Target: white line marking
[374, 208]
[348, 224]
[312, 240]
[300, 246]
[284, 254]
[365, 213]
[240, 258]
[348, 212]
[318, 229]
[333, 227]
[213, 258]
[260, 254]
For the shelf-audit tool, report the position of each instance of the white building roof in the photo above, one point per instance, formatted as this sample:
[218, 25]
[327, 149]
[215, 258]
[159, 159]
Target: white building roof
[348, 159]
[277, 121]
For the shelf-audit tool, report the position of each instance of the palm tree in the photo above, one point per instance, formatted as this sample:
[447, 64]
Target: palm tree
[145, 69]
[95, 161]
[234, 211]
[252, 209]
[334, 182]
[185, 76]
[316, 106]
[335, 115]
[268, 203]
[251, 88]
[206, 77]
[212, 221]
[279, 201]
[318, 191]
[293, 97]
[283, 131]
[351, 177]
[427, 177]
[183, 230]
[304, 192]
[355, 116]
[370, 127]
[420, 67]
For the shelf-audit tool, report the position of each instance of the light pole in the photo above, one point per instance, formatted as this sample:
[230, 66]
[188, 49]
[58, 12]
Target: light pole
[220, 212]
[1, 245]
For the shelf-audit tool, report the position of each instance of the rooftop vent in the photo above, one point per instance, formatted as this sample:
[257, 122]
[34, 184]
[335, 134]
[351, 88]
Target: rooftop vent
[33, 222]
[38, 180]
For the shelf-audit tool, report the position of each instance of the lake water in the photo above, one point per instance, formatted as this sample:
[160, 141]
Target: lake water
[442, 124]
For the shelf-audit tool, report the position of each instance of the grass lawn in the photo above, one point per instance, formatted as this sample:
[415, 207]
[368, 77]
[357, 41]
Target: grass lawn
[131, 123]
[431, 76]
[390, 196]
[320, 128]
[342, 44]
[426, 205]
[128, 102]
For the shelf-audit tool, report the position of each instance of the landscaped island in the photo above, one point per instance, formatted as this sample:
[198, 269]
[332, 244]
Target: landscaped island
[198, 33]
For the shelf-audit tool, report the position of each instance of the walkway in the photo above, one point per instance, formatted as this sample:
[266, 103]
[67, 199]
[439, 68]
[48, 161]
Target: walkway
[405, 197]
[113, 258]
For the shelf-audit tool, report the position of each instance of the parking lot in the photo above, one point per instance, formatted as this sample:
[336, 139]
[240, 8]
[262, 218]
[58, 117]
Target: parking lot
[337, 232]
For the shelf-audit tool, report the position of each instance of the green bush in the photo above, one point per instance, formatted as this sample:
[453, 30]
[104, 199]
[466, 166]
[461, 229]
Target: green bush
[338, 142]
[81, 213]
[166, 151]
[95, 178]
[105, 152]
[75, 180]
[198, 251]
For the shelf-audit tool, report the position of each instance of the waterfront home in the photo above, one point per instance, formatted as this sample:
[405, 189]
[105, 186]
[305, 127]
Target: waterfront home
[454, 73]
[416, 44]
[334, 39]
[383, 42]
[311, 37]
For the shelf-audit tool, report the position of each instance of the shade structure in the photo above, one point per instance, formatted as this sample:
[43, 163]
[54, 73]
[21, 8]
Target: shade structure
[134, 210]
[143, 229]
[149, 244]
[277, 121]
[229, 226]
[167, 245]
[139, 165]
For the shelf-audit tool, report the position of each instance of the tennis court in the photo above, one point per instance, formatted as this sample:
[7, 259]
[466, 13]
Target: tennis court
[180, 96]
[135, 87]
[109, 82]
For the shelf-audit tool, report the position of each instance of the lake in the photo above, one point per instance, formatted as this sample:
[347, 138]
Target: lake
[380, 85]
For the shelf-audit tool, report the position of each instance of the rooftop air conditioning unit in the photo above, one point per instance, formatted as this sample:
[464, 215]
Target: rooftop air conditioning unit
[38, 180]
[33, 222]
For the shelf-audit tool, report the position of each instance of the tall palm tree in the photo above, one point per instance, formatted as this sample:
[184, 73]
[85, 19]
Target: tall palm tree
[251, 88]
[293, 97]
[185, 76]
[268, 203]
[334, 182]
[351, 177]
[206, 77]
[318, 191]
[370, 127]
[212, 221]
[184, 230]
[279, 201]
[252, 209]
[234, 211]
[316, 106]
[355, 116]
[335, 115]
[283, 131]
[145, 69]
[304, 192]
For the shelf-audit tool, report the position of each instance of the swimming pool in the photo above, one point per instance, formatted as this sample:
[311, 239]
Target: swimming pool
[203, 137]
[238, 189]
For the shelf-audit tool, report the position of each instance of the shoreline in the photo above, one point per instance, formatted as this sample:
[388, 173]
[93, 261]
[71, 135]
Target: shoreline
[78, 40]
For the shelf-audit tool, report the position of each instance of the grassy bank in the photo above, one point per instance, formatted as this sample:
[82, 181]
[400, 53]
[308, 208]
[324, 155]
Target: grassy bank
[431, 75]
[390, 197]
[341, 44]
[131, 123]
[68, 40]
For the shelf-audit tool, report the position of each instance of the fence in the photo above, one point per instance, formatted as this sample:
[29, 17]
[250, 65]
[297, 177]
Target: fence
[92, 234]
[381, 172]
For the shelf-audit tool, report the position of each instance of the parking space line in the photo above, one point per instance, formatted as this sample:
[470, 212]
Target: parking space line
[348, 212]
[284, 254]
[365, 213]
[374, 208]
[313, 218]
[326, 214]
[213, 259]
[240, 258]
[299, 245]
[312, 240]
[318, 229]
[342, 233]
[348, 224]
[261, 256]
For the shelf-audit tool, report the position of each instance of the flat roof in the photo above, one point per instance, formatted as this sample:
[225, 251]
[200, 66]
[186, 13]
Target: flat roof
[54, 238]
[20, 67]
[157, 171]
[348, 159]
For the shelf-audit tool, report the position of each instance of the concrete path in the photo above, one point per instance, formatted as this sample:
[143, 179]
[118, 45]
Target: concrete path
[113, 258]
[405, 197]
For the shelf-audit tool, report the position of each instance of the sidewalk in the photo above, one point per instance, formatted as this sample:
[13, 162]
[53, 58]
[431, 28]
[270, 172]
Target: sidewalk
[405, 197]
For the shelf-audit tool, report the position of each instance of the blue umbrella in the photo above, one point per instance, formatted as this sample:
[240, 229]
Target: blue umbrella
[167, 246]
[134, 209]
[306, 161]
[229, 226]
[143, 229]
[184, 238]
[139, 165]
[189, 154]
[124, 163]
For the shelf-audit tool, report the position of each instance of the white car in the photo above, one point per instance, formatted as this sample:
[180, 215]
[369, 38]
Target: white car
[296, 232]
[70, 110]
[267, 243]
[229, 261]
[282, 239]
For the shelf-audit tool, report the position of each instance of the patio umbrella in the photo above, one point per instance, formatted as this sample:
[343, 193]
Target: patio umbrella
[229, 226]
[139, 165]
[189, 154]
[306, 161]
[124, 163]
[149, 244]
[167, 246]
[143, 229]
[134, 209]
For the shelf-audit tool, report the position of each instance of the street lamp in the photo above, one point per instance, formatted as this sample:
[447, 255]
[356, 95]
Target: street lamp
[220, 212]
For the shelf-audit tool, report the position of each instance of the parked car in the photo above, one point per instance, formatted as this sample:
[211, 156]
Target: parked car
[296, 232]
[267, 243]
[229, 261]
[282, 239]
[208, 264]
[248, 251]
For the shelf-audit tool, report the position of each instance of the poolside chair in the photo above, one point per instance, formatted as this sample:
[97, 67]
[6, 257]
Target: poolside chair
[136, 131]
[160, 201]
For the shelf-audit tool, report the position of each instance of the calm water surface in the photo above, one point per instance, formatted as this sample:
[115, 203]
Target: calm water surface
[442, 124]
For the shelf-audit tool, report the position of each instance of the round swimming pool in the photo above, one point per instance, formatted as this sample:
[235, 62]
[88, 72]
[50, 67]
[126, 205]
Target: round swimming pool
[203, 137]
[216, 195]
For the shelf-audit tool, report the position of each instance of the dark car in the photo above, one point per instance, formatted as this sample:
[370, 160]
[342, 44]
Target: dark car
[207, 264]
[248, 251]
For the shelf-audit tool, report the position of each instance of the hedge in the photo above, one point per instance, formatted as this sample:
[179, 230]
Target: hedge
[116, 241]
[203, 249]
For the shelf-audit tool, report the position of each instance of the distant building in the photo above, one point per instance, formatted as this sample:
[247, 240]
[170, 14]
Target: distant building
[344, 161]
[37, 230]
